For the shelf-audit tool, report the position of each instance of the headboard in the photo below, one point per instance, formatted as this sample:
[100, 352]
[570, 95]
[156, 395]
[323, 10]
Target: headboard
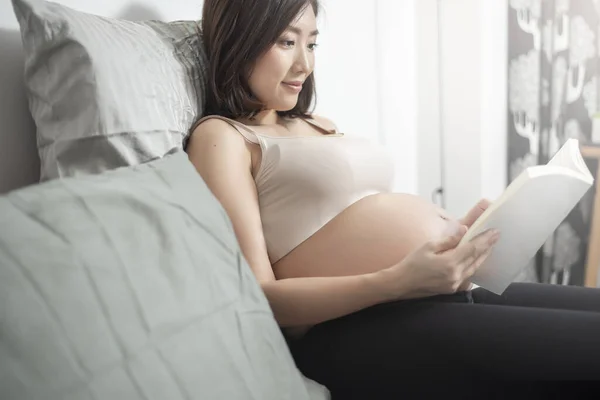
[19, 162]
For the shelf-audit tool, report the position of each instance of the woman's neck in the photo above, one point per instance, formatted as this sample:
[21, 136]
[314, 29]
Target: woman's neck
[266, 117]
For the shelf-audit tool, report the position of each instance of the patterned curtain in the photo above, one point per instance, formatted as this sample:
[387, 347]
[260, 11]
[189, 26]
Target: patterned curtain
[553, 87]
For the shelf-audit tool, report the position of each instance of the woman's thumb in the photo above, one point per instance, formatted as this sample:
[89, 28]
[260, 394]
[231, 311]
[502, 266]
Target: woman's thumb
[451, 239]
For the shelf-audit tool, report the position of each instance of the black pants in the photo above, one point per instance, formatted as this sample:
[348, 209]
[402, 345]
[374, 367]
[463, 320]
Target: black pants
[531, 332]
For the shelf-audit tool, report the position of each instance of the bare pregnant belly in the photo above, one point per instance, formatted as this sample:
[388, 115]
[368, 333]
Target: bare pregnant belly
[372, 234]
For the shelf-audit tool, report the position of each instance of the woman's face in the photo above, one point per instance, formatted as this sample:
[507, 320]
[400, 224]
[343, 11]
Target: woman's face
[277, 76]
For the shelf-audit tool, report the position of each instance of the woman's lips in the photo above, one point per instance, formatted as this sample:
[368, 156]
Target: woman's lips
[294, 86]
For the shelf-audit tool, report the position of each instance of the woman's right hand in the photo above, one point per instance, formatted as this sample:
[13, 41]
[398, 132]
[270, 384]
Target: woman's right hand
[440, 266]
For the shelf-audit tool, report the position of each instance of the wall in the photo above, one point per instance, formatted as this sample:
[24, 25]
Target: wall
[462, 81]
[428, 99]
[494, 91]
[346, 66]
[468, 73]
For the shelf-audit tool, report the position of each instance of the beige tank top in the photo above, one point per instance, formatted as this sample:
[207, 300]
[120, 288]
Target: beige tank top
[305, 181]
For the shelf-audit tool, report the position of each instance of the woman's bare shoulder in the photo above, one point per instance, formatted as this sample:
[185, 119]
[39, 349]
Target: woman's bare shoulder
[213, 126]
[222, 131]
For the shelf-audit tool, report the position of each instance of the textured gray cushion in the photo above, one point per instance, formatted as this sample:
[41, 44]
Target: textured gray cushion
[130, 285]
[106, 93]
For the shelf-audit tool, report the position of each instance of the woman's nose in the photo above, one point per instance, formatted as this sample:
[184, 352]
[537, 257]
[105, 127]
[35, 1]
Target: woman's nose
[303, 60]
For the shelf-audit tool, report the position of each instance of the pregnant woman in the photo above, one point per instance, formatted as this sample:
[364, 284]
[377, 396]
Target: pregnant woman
[370, 287]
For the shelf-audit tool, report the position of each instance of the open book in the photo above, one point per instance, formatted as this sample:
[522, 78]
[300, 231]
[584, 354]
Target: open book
[528, 212]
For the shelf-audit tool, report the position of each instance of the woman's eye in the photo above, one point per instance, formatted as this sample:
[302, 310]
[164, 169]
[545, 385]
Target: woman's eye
[288, 43]
[312, 46]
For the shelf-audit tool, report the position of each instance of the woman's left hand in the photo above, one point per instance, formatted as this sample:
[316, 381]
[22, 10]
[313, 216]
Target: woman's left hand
[469, 220]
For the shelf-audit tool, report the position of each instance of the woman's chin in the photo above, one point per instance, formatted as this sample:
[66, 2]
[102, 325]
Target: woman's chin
[286, 108]
[285, 104]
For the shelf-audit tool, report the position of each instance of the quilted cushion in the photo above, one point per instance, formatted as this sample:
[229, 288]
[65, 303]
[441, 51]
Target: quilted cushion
[130, 285]
[106, 93]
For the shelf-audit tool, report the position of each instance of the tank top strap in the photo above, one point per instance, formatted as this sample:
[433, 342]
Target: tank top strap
[244, 130]
[317, 125]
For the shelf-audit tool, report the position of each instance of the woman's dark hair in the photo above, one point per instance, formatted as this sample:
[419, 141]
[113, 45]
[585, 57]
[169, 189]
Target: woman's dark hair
[235, 34]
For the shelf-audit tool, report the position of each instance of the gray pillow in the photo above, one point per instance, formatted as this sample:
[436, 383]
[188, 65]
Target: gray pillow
[106, 93]
[130, 285]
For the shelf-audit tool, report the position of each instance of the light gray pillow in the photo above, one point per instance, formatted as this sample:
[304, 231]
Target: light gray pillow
[130, 285]
[106, 93]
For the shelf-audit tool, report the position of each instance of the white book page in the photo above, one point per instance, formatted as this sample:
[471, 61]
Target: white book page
[564, 156]
[536, 207]
[569, 156]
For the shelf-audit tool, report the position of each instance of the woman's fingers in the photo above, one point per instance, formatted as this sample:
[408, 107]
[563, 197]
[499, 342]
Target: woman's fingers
[476, 263]
[449, 242]
[475, 212]
[472, 250]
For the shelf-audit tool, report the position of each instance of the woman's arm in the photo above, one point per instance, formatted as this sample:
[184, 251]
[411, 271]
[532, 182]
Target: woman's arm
[223, 158]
